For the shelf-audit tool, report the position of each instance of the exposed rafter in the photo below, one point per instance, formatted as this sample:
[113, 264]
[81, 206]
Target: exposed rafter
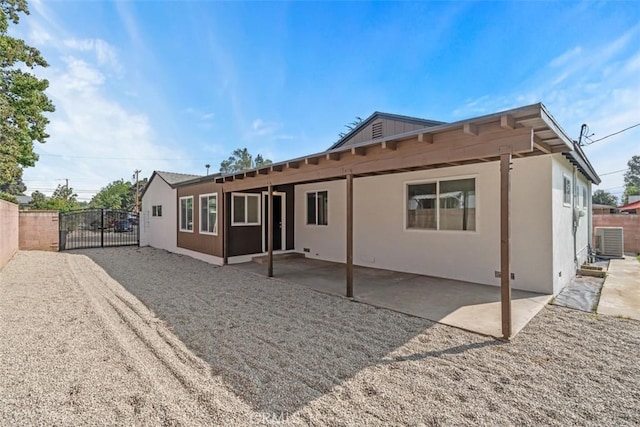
[311, 161]
[471, 129]
[507, 122]
[388, 145]
[425, 137]
[333, 156]
[359, 151]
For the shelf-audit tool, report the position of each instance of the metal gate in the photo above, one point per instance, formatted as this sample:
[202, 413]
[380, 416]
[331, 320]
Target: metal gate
[97, 228]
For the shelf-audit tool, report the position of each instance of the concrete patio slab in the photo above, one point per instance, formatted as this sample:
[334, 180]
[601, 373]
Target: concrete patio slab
[470, 306]
[621, 290]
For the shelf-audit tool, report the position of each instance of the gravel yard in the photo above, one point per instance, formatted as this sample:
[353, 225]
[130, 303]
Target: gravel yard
[76, 347]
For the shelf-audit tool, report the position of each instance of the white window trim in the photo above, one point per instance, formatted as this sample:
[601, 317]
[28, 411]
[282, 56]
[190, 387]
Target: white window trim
[185, 230]
[246, 210]
[436, 180]
[306, 209]
[209, 195]
[565, 176]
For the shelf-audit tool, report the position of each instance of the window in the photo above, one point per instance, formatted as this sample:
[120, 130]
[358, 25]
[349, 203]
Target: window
[567, 190]
[156, 210]
[584, 197]
[186, 213]
[245, 209]
[209, 214]
[442, 205]
[317, 208]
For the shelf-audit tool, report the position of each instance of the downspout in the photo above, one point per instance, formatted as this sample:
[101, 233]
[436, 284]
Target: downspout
[576, 217]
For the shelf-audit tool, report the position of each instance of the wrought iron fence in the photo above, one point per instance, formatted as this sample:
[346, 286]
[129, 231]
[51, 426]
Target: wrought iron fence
[96, 228]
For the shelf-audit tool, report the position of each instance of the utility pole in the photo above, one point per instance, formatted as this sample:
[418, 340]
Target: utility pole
[136, 172]
[67, 183]
[207, 166]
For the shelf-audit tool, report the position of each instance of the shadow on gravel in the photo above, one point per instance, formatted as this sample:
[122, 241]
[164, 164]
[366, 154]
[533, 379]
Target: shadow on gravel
[277, 345]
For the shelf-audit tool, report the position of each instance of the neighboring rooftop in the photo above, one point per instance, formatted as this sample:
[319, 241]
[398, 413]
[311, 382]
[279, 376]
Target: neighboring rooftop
[172, 178]
[630, 206]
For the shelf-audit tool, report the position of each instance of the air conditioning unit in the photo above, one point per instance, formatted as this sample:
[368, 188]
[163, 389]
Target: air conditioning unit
[610, 241]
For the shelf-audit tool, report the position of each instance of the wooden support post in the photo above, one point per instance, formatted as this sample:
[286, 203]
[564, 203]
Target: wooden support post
[225, 229]
[349, 271]
[505, 273]
[270, 232]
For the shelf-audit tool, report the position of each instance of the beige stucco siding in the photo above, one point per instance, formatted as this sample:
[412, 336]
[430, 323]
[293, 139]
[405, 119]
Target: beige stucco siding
[381, 240]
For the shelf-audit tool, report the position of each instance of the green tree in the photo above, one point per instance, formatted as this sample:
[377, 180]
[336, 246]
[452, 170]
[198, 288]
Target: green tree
[632, 179]
[242, 160]
[63, 199]
[15, 187]
[602, 197]
[22, 97]
[119, 194]
[350, 127]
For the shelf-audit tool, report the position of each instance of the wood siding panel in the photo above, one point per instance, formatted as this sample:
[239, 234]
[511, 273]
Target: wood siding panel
[389, 128]
[203, 243]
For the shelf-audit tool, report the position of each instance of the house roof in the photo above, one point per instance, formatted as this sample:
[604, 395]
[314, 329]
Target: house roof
[601, 206]
[171, 178]
[379, 115]
[630, 206]
[24, 200]
[535, 130]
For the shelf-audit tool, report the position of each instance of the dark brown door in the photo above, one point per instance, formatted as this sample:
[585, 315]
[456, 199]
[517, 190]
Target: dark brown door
[277, 222]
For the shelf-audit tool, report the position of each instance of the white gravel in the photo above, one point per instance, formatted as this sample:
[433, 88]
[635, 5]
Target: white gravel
[282, 353]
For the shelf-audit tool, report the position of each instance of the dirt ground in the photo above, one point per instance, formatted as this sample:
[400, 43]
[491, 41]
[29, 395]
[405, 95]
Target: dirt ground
[78, 347]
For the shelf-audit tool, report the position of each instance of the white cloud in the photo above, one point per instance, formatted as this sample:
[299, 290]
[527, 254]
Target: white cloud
[104, 52]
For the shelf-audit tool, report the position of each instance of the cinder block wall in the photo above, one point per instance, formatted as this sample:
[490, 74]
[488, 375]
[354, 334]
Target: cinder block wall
[39, 230]
[630, 224]
[8, 231]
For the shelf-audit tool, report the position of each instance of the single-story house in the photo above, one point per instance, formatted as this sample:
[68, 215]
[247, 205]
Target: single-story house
[633, 207]
[502, 199]
[158, 216]
[599, 209]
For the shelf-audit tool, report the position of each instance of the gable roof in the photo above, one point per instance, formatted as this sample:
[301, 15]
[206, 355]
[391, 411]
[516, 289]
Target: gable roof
[546, 134]
[171, 178]
[379, 115]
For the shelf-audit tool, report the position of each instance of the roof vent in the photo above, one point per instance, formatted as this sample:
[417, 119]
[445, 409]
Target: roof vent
[376, 130]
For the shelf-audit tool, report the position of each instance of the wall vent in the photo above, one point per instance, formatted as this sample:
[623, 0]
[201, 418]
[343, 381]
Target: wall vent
[610, 241]
[376, 130]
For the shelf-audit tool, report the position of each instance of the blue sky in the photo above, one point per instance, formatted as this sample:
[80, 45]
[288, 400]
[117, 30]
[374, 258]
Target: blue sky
[176, 85]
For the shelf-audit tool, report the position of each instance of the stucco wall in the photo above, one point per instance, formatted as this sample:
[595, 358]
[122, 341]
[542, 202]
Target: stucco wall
[564, 266]
[8, 231]
[381, 241]
[159, 231]
[630, 224]
[39, 230]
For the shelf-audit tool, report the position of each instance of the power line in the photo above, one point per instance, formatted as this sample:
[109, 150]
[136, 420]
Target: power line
[593, 141]
[611, 173]
[114, 158]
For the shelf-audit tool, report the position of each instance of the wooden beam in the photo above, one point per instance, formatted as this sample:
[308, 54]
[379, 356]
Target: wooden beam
[225, 229]
[293, 165]
[238, 176]
[484, 160]
[250, 174]
[228, 178]
[359, 151]
[311, 161]
[409, 154]
[505, 271]
[453, 164]
[349, 271]
[425, 137]
[507, 122]
[333, 156]
[263, 171]
[277, 168]
[388, 145]
[471, 129]
[270, 231]
[542, 146]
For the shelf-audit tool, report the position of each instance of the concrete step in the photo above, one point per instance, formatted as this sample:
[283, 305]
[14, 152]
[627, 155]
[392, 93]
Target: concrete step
[262, 259]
